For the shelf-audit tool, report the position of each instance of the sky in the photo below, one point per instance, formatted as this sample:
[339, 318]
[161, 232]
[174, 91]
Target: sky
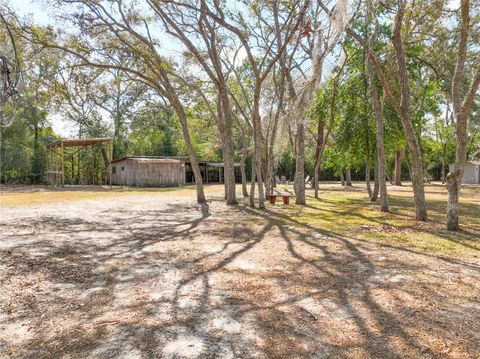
[34, 8]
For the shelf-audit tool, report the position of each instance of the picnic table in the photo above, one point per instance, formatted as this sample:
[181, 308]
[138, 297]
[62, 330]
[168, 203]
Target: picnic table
[285, 196]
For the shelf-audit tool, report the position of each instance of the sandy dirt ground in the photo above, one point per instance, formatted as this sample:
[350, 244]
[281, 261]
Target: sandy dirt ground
[154, 275]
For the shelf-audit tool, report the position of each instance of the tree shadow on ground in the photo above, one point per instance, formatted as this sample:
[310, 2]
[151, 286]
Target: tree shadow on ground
[182, 281]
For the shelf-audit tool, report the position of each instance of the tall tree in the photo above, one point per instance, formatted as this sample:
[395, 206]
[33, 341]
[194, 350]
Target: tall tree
[462, 101]
[378, 110]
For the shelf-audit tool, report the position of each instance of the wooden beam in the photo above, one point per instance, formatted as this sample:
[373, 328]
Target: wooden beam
[111, 159]
[63, 167]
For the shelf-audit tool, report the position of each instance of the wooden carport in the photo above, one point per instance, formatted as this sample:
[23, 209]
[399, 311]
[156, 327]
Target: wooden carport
[56, 157]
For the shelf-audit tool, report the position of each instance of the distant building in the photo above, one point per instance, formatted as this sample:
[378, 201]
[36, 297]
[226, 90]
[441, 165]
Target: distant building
[164, 171]
[471, 172]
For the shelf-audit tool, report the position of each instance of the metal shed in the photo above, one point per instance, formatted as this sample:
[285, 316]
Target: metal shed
[148, 172]
[471, 172]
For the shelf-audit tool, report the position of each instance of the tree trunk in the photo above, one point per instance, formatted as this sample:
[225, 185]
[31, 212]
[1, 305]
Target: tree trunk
[462, 106]
[374, 196]
[299, 180]
[453, 181]
[348, 177]
[403, 110]
[178, 107]
[367, 179]
[229, 169]
[342, 178]
[318, 155]
[379, 135]
[399, 156]
[444, 170]
[269, 180]
[417, 182]
[257, 146]
[252, 184]
[197, 174]
[243, 171]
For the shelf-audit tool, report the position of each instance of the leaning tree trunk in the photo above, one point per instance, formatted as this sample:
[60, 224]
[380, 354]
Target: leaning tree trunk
[299, 180]
[348, 177]
[403, 110]
[399, 156]
[197, 174]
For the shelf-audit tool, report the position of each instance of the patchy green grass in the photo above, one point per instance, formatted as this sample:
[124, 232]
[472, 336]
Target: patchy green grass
[347, 212]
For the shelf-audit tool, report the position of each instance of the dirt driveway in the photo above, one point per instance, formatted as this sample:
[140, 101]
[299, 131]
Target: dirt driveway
[154, 275]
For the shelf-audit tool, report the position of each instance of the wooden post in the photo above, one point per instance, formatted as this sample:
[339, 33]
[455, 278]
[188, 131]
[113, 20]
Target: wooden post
[48, 163]
[63, 167]
[111, 159]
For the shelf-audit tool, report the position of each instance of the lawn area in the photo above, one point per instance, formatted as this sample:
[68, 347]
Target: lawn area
[348, 213]
[100, 273]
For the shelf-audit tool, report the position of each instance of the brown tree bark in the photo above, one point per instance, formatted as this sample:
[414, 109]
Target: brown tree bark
[379, 134]
[376, 187]
[197, 174]
[403, 108]
[318, 156]
[299, 179]
[399, 156]
[171, 94]
[367, 179]
[348, 177]
[252, 185]
[461, 112]
[404, 111]
[225, 126]
[243, 171]
[257, 146]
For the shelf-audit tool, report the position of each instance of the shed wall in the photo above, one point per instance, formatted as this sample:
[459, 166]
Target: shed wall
[147, 174]
[471, 173]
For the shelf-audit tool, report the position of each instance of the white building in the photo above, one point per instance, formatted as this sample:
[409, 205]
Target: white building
[471, 172]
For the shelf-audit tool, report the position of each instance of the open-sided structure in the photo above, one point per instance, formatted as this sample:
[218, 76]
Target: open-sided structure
[164, 171]
[56, 157]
